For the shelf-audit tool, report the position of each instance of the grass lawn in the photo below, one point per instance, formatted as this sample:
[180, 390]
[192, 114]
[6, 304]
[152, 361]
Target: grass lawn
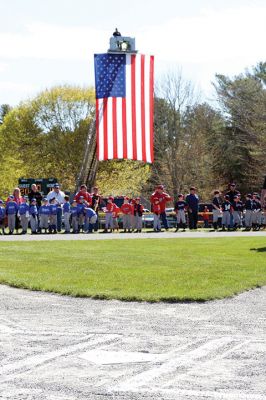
[150, 269]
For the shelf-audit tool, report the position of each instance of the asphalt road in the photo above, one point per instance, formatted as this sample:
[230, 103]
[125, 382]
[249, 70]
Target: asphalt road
[61, 348]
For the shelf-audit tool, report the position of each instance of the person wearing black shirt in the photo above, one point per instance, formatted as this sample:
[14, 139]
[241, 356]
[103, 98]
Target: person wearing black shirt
[95, 204]
[226, 208]
[248, 212]
[216, 209]
[237, 207]
[35, 194]
[192, 201]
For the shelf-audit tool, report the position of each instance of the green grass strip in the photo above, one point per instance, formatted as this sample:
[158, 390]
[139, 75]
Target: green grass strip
[143, 270]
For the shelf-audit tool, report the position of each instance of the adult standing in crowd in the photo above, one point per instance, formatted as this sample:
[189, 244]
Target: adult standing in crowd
[192, 201]
[59, 197]
[35, 194]
[232, 192]
[162, 197]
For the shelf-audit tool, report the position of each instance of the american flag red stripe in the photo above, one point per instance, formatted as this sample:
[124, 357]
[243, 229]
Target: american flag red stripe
[124, 125]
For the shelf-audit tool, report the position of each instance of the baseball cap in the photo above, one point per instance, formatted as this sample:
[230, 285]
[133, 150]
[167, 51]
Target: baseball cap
[32, 200]
[56, 185]
[1, 201]
[11, 196]
[110, 198]
[137, 198]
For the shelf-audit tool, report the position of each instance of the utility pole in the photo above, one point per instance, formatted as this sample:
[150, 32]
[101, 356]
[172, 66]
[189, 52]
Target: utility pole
[89, 166]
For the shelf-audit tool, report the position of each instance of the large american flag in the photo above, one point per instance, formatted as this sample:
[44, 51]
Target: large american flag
[124, 106]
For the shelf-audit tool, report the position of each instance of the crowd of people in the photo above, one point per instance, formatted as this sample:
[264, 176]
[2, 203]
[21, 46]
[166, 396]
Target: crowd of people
[44, 213]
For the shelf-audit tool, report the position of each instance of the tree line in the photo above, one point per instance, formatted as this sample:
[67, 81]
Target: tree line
[195, 142]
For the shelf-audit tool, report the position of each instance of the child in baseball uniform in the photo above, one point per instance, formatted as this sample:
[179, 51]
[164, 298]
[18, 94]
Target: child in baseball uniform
[109, 209]
[91, 218]
[256, 212]
[2, 217]
[156, 208]
[81, 213]
[248, 212]
[180, 208]
[44, 212]
[53, 216]
[116, 212]
[216, 210]
[24, 215]
[226, 208]
[11, 212]
[74, 217]
[126, 209]
[138, 212]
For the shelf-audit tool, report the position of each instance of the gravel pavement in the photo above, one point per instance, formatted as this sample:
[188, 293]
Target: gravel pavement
[60, 348]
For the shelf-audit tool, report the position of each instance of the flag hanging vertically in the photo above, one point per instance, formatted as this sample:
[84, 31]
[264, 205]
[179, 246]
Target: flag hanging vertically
[124, 106]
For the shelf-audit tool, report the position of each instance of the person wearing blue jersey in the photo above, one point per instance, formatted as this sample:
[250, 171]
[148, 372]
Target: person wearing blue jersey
[11, 212]
[53, 216]
[81, 204]
[227, 211]
[66, 212]
[74, 217]
[44, 212]
[192, 201]
[248, 212]
[33, 211]
[91, 218]
[2, 217]
[23, 214]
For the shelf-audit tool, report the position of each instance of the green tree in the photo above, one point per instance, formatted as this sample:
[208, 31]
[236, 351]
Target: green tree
[4, 110]
[47, 134]
[241, 146]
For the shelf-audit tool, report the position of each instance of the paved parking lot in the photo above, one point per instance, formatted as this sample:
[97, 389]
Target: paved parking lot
[62, 348]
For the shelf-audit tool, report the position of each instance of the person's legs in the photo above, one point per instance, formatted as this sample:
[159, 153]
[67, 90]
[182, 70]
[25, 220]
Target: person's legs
[164, 220]
[59, 219]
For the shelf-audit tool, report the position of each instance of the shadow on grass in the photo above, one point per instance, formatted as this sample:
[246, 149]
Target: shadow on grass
[259, 249]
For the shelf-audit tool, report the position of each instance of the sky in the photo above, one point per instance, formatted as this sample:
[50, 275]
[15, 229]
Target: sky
[44, 43]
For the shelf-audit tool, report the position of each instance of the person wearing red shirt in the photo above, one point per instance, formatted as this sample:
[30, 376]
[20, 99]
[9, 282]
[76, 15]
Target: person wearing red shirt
[116, 212]
[83, 193]
[109, 209]
[163, 198]
[126, 209]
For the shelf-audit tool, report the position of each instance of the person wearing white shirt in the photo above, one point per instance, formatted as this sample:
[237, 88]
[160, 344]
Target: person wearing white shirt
[59, 196]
